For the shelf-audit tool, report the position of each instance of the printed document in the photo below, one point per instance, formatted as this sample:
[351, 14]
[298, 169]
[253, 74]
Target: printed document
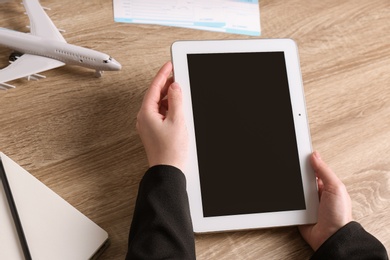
[230, 16]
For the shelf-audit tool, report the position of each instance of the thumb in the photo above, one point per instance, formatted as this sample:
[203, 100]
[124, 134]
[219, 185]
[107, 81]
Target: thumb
[323, 171]
[175, 101]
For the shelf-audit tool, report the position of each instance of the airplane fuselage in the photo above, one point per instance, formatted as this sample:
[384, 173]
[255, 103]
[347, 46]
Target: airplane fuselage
[67, 53]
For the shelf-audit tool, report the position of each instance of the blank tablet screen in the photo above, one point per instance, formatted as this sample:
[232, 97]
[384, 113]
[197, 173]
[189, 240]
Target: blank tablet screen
[245, 135]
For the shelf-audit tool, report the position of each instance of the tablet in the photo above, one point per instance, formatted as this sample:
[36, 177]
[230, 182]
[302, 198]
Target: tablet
[249, 136]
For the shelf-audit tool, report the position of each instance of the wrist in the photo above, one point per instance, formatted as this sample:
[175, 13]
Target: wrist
[326, 236]
[168, 162]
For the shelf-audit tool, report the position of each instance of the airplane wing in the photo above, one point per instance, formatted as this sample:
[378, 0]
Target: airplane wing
[40, 23]
[25, 66]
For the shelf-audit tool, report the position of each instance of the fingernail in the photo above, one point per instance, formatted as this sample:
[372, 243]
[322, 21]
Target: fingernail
[317, 155]
[175, 86]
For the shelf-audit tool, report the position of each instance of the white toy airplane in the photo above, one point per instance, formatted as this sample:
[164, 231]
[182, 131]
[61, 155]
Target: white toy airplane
[44, 48]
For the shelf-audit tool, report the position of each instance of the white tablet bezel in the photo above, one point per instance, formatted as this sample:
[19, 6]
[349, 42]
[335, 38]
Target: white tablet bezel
[201, 224]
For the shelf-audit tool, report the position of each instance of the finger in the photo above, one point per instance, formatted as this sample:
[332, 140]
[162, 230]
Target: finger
[163, 107]
[164, 90]
[323, 171]
[320, 186]
[158, 86]
[175, 101]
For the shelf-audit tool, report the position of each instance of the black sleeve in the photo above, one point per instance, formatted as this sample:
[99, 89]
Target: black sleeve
[351, 242]
[161, 226]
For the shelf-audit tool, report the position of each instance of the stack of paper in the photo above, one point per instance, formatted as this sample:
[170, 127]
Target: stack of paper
[231, 16]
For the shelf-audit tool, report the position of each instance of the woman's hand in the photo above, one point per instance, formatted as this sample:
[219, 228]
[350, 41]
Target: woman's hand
[160, 121]
[335, 209]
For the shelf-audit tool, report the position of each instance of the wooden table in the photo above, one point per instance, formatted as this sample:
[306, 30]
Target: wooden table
[76, 133]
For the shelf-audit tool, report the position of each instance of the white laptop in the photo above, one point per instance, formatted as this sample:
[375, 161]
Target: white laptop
[53, 228]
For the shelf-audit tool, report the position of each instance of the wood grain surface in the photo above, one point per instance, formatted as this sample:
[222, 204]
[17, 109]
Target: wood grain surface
[76, 133]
